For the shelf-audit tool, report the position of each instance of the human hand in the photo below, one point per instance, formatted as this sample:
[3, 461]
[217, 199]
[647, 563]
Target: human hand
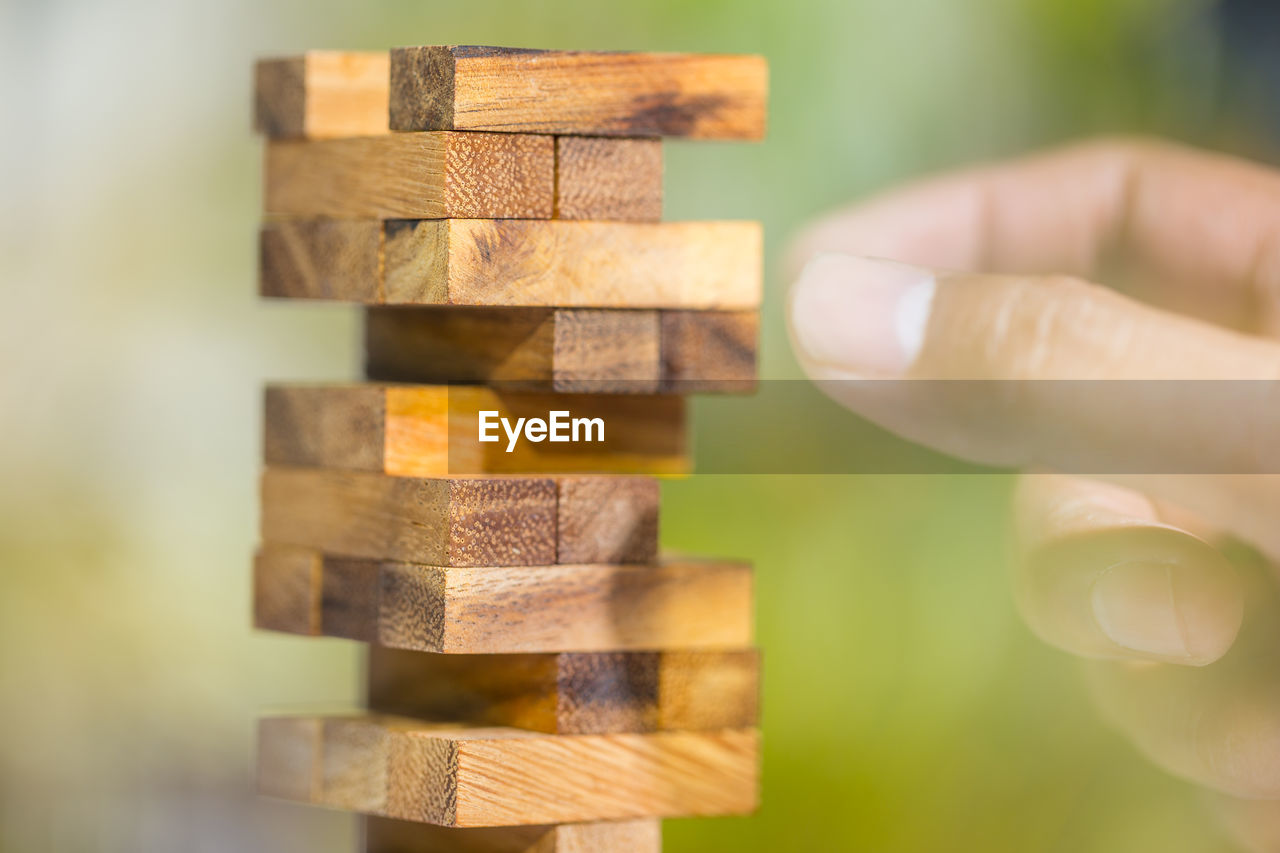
[1126, 568]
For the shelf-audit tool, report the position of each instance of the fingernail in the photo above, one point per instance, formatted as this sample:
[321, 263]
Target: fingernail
[1136, 604]
[864, 315]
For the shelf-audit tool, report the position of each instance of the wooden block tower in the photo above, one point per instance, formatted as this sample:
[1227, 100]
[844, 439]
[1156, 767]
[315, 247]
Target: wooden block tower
[483, 511]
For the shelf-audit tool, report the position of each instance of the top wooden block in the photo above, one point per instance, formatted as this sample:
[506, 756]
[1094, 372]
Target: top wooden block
[322, 94]
[578, 92]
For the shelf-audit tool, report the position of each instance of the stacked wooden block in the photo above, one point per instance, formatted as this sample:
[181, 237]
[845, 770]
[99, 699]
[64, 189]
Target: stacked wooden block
[538, 677]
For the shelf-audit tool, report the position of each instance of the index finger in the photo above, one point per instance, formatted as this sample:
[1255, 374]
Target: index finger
[1206, 227]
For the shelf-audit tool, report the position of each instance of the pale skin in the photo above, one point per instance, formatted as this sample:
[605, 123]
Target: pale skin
[1112, 259]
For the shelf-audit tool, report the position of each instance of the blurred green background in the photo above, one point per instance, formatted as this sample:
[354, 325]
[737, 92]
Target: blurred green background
[905, 707]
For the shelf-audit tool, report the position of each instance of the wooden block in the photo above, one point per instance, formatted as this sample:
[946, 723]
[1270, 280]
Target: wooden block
[387, 835]
[286, 591]
[606, 351]
[516, 263]
[709, 350]
[288, 757]
[574, 264]
[578, 92]
[354, 764]
[684, 604]
[433, 431]
[607, 520]
[350, 599]
[321, 259]
[453, 775]
[412, 175]
[461, 521]
[599, 178]
[597, 607]
[442, 521]
[322, 94]
[342, 595]
[571, 693]
[592, 351]
[566, 350]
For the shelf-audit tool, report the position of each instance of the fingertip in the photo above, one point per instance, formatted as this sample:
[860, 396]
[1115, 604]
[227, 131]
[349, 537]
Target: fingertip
[1138, 592]
[864, 316]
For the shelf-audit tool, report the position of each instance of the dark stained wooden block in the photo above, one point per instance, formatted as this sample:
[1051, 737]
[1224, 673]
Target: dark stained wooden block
[572, 692]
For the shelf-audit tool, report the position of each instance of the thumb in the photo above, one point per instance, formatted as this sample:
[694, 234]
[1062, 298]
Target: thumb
[855, 319]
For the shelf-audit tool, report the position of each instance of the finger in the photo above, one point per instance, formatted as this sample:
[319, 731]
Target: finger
[1098, 574]
[1242, 505]
[1217, 726]
[1184, 519]
[857, 319]
[1203, 228]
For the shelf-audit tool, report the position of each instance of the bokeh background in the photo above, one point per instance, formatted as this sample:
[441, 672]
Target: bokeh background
[905, 707]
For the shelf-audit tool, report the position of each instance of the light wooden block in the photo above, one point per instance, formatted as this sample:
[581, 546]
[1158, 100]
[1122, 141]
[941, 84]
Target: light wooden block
[453, 775]
[322, 94]
[516, 263]
[442, 521]
[571, 693]
[675, 604]
[614, 179]
[289, 750]
[578, 92]
[462, 521]
[433, 431]
[412, 176]
[387, 835]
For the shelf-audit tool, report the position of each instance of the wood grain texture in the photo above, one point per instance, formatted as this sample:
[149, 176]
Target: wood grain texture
[515, 263]
[574, 264]
[566, 350]
[571, 693]
[387, 835]
[412, 175]
[583, 350]
[433, 431]
[462, 521]
[709, 350]
[607, 519]
[321, 259]
[453, 775]
[286, 590]
[442, 521]
[322, 94]
[578, 92]
[675, 604]
[614, 179]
